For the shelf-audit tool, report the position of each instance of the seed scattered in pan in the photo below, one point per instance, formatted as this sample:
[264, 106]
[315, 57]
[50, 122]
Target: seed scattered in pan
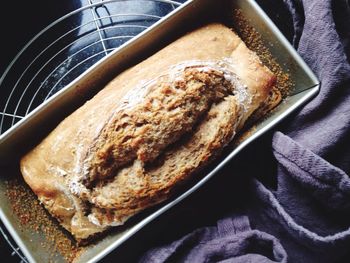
[32, 216]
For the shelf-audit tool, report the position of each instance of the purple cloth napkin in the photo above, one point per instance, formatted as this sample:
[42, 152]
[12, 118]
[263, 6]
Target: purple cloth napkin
[300, 211]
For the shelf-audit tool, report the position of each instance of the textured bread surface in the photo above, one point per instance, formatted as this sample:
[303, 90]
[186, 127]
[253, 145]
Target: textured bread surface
[141, 130]
[151, 128]
[151, 185]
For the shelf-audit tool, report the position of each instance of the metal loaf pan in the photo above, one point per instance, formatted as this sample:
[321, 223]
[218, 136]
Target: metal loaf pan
[33, 127]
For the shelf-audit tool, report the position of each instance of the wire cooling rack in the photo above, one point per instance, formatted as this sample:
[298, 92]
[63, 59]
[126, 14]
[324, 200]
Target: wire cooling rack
[65, 49]
[69, 46]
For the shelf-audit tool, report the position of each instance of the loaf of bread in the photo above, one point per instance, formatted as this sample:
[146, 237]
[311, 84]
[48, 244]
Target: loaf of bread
[150, 129]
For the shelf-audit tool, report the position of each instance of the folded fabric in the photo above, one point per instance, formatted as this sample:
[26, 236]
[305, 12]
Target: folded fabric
[232, 240]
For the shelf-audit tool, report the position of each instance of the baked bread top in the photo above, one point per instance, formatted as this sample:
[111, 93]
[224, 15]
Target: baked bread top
[151, 128]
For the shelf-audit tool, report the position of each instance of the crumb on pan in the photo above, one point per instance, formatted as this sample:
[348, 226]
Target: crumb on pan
[254, 41]
[31, 215]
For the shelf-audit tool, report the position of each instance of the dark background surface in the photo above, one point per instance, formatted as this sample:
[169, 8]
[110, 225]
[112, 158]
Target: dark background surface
[25, 19]
[203, 208]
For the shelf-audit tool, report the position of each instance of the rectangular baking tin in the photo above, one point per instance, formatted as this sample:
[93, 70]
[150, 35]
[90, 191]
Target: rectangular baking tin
[306, 86]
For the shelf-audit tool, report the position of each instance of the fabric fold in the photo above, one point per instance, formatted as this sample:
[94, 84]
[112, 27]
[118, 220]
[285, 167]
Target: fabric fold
[326, 182]
[231, 241]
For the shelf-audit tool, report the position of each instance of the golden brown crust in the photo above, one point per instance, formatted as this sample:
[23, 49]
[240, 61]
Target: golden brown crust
[137, 187]
[170, 107]
[54, 168]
